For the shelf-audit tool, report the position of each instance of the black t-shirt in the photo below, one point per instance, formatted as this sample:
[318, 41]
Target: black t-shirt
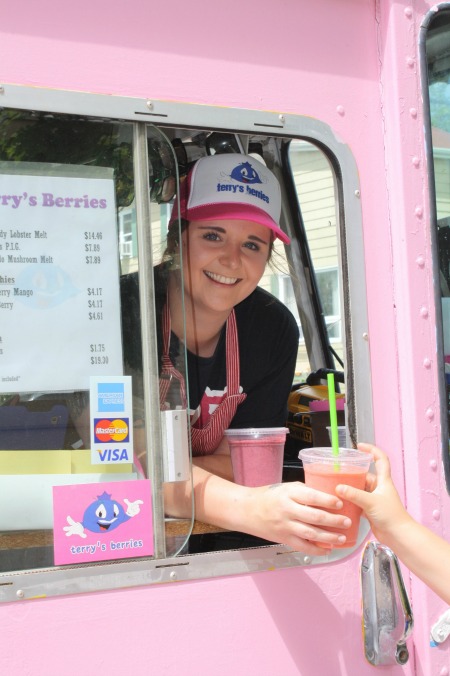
[268, 344]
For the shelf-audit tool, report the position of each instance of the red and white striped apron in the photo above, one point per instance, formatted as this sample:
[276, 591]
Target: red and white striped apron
[206, 439]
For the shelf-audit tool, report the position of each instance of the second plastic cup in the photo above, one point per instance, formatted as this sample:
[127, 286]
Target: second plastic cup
[257, 455]
[324, 471]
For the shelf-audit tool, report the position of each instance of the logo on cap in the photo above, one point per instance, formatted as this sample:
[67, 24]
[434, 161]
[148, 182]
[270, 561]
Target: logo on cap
[245, 173]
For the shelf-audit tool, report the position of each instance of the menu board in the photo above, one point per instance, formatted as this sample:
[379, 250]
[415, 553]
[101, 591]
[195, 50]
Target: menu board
[59, 277]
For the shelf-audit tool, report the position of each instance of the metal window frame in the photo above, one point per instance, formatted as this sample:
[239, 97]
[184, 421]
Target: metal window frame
[130, 573]
[431, 17]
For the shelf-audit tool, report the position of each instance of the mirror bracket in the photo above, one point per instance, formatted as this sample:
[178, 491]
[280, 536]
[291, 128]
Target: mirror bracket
[387, 614]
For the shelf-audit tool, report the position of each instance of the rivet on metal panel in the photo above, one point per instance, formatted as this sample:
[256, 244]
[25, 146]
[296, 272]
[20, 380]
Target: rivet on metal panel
[429, 413]
[410, 61]
[282, 119]
[424, 312]
[415, 160]
[420, 260]
[413, 112]
[357, 193]
[436, 514]
[340, 110]
[149, 105]
[173, 575]
[408, 12]
[433, 465]
[427, 363]
[20, 593]
[306, 559]
[365, 335]
[418, 212]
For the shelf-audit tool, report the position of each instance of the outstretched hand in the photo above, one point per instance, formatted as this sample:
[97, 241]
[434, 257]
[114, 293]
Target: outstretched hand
[426, 554]
[74, 528]
[380, 501]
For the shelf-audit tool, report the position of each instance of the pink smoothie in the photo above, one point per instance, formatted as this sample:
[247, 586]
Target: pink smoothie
[257, 461]
[324, 477]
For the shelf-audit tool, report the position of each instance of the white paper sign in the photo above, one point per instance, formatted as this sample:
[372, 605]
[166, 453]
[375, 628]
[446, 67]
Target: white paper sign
[59, 278]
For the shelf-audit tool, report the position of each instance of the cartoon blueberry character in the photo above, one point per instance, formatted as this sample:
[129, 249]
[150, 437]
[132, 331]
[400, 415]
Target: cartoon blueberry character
[245, 173]
[45, 286]
[103, 515]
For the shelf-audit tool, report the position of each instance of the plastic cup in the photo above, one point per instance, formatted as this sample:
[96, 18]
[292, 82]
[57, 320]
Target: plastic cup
[324, 471]
[257, 455]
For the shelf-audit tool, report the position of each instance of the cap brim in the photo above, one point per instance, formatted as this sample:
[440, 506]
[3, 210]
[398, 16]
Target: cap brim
[244, 212]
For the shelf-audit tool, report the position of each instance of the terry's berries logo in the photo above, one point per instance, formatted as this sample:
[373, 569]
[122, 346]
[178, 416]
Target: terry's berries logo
[107, 430]
[244, 173]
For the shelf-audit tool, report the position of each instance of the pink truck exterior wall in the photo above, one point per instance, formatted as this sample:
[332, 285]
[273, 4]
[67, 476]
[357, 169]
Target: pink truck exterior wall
[332, 61]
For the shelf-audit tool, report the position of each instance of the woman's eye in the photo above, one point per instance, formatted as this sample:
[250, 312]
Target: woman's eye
[252, 246]
[211, 236]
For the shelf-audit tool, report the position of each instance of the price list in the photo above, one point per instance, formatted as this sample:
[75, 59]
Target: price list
[59, 280]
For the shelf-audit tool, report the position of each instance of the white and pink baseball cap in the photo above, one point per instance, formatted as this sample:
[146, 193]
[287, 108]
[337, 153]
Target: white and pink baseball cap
[231, 186]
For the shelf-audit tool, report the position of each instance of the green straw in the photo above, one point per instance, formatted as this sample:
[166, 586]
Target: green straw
[333, 418]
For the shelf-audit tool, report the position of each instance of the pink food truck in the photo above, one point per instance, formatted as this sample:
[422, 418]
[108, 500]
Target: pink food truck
[336, 116]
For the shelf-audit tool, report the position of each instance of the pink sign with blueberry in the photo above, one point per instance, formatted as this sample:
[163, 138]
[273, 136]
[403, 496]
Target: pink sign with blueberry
[102, 521]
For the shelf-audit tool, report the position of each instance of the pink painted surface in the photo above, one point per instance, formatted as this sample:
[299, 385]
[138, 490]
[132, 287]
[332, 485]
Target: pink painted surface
[243, 625]
[405, 385]
[172, 51]
[298, 621]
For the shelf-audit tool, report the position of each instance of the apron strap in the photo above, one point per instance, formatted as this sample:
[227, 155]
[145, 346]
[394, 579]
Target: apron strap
[168, 371]
[205, 440]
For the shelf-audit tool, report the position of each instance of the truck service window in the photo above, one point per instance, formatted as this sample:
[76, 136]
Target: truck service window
[93, 447]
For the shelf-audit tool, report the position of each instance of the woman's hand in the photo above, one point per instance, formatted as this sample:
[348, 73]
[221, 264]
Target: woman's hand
[293, 514]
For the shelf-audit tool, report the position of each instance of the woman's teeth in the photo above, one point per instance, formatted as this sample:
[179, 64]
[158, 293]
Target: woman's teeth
[221, 279]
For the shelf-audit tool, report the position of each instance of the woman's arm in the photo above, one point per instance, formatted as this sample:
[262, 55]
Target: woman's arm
[218, 463]
[423, 552]
[284, 513]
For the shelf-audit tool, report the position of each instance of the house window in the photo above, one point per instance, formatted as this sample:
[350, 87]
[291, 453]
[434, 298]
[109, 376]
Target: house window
[328, 287]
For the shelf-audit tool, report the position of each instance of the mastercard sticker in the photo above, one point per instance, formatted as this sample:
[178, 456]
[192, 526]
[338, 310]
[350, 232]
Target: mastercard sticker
[107, 430]
[111, 420]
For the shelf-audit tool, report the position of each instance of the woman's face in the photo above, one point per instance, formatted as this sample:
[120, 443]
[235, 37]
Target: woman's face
[223, 261]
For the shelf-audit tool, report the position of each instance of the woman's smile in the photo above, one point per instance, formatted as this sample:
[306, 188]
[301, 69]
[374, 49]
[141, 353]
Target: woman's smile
[223, 262]
[221, 279]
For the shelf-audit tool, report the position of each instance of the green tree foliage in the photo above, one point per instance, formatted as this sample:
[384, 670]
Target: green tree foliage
[65, 139]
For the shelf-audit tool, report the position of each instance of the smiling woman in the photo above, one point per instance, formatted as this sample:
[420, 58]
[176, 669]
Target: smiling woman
[222, 265]
[241, 345]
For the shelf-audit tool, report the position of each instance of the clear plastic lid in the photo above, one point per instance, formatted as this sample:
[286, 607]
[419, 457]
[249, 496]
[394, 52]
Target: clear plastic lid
[257, 432]
[346, 456]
